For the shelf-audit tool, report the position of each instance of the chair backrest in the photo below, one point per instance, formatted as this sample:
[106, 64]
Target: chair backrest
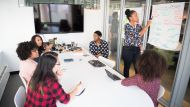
[161, 92]
[24, 82]
[20, 97]
[106, 61]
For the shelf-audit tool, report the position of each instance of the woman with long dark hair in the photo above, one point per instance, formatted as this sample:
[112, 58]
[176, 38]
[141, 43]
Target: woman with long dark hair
[37, 39]
[44, 89]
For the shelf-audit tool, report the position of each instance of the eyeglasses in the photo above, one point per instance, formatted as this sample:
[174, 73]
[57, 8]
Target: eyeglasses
[57, 64]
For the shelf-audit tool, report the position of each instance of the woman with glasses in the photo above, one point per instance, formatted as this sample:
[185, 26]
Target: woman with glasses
[44, 88]
[57, 67]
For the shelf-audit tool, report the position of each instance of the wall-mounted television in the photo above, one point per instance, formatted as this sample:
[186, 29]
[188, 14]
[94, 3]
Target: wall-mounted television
[58, 18]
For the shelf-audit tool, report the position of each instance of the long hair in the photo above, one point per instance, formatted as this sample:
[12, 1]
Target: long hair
[151, 65]
[44, 70]
[33, 40]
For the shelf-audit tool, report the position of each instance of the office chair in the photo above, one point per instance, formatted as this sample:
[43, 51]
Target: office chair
[20, 97]
[23, 81]
[161, 92]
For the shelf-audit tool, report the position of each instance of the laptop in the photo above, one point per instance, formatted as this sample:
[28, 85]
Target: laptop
[112, 76]
[96, 63]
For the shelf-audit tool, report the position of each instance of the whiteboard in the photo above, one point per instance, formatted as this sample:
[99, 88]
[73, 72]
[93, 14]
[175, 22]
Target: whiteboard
[166, 25]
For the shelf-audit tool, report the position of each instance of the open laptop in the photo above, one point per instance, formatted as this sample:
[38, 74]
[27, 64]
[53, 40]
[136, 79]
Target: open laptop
[96, 63]
[112, 76]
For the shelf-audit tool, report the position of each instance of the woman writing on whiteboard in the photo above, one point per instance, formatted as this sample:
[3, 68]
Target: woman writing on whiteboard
[133, 40]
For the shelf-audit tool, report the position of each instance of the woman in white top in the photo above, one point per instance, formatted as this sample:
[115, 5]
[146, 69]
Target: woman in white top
[27, 52]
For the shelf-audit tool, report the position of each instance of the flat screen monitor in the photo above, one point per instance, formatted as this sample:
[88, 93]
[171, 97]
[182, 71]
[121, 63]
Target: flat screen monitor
[58, 18]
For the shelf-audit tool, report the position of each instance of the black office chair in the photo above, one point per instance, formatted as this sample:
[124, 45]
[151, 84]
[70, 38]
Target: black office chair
[64, 26]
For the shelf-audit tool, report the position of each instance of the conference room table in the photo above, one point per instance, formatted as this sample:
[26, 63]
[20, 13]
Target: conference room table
[100, 90]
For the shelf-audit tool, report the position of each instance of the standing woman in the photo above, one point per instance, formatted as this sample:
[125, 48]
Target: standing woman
[133, 40]
[37, 39]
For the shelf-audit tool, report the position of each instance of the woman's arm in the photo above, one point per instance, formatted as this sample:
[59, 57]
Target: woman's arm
[59, 93]
[91, 46]
[105, 53]
[75, 91]
[129, 81]
[141, 33]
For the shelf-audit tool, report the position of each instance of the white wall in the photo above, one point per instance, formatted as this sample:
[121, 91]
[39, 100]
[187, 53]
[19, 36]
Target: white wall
[92, 22]
[1, 56]
[16, 25]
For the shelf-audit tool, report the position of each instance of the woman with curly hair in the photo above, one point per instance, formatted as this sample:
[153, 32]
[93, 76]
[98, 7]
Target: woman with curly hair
[150, 66]
[27, 52]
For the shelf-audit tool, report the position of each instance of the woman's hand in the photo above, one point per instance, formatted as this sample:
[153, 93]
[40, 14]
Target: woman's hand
[141, 33]
[76, 90]
[78, 87]
[149, 23]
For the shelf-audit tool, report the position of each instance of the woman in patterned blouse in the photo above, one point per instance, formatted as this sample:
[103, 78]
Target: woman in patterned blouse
[99, 47]
[151, 66]
[133, 40]
[44, 89]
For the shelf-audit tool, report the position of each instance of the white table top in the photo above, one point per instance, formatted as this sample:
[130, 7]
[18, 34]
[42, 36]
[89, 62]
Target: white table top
[100, 90]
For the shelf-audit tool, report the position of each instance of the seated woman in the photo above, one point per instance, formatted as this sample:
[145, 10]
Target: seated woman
[48, 47]
[38, 41]
[27, 52]
[151, 66]
[57, 70]
[44, 89]
[99, 47]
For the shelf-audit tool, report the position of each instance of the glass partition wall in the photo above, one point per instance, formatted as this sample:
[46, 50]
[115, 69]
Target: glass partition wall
[113, 27]
[169, 18]
[186, 101]
[176, 12]
[139, 6]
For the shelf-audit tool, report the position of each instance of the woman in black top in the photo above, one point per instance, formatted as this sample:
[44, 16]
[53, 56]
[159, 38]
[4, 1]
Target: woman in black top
[37, 39]
[133, 40]
[98, 47]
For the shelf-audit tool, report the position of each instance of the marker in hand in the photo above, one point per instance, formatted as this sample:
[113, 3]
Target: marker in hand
[151, 17]
[81, 89]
